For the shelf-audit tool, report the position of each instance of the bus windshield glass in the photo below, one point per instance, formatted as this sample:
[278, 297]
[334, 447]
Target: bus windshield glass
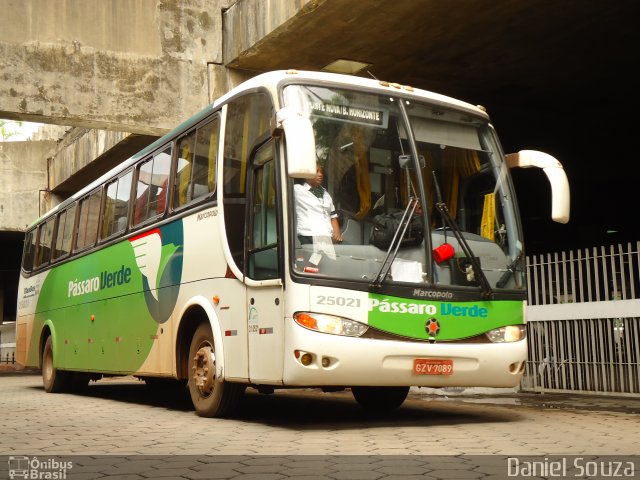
[445, 218]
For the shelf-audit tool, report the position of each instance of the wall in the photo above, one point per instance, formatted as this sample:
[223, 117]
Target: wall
[130, 65]
[23, 170]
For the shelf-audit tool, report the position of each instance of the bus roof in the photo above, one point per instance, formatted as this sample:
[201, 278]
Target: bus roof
[270, 80]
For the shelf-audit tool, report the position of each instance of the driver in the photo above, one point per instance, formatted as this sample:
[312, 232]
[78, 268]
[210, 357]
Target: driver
[315, 212]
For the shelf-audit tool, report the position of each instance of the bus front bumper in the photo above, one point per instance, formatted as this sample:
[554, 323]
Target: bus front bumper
[318, 359]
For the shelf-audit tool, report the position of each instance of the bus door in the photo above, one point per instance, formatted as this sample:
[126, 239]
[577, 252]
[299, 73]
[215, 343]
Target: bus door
[263, 277]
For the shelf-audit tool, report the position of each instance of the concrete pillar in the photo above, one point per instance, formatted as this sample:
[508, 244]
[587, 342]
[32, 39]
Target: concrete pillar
[23, 170]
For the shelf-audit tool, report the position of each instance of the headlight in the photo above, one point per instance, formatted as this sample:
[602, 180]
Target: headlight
[511, 333]
[330, 324]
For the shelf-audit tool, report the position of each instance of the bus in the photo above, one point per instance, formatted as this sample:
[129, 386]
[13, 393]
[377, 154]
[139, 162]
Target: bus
[184, 265]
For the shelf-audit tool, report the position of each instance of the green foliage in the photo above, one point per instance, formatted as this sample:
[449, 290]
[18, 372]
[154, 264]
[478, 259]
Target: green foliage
[9, 128]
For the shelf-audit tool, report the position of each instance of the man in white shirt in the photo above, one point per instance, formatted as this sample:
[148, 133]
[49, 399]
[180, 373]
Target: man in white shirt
[315, 213]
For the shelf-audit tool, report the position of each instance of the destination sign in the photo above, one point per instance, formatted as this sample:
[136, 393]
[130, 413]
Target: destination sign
[351, 114]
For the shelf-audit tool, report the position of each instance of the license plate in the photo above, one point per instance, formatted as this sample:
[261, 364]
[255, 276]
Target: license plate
[432, 366]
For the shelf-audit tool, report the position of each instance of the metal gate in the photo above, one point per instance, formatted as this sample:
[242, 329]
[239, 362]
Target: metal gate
[584, 321]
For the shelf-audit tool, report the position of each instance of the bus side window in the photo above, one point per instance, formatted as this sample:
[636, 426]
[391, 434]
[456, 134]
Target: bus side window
[151, 190]
[116, 206]
[88, 224]
[204, 169]
[183, 170]
[197, 156]
[45, 236]
[106, 228]
[161, 170]
[29, 249]
[64, 234]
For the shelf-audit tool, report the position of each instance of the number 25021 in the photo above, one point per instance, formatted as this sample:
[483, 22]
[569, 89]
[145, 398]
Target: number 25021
[339, 301]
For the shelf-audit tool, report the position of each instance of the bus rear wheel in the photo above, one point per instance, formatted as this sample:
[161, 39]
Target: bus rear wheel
[211, 396]
[54, 380]
[380, 399]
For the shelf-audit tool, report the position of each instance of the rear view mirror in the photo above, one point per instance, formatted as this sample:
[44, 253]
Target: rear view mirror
[300, 142]
[560, 194]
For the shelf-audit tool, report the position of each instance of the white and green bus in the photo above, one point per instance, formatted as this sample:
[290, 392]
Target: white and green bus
[184, 264]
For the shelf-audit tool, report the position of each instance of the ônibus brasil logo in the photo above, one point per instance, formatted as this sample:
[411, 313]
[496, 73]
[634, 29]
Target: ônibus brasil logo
[34, 468]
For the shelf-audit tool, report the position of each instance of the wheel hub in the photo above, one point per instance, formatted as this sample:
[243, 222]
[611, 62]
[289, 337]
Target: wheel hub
[204, 370]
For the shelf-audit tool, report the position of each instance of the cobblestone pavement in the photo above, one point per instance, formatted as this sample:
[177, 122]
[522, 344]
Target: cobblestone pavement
[303, 433]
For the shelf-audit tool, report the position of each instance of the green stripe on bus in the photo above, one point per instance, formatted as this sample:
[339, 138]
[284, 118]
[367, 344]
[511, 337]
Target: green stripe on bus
[456, 320]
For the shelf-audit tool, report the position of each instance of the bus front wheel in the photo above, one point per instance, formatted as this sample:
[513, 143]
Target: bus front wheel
[380, 399]
[54, 380]
[211, 396]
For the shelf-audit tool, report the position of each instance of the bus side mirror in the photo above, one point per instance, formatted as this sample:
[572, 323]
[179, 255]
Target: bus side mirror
[300, 142]
[560, 194]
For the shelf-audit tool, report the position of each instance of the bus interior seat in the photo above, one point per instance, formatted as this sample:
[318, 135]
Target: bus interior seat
[352, 234]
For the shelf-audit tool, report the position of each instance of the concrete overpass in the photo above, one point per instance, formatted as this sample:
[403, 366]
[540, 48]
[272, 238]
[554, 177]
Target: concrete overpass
[143, 66]
[122, 72]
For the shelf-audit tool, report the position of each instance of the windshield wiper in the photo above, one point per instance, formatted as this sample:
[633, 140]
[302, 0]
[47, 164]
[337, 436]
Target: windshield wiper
[398, 235]
[448, 221]
[511, 269]
[487, 292]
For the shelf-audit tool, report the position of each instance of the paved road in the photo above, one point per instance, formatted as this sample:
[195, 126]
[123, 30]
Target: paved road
[121, 417]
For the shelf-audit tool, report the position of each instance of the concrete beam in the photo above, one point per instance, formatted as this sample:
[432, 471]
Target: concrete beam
[248, 24]
[84, 155]
[23, 170]
[128, 65]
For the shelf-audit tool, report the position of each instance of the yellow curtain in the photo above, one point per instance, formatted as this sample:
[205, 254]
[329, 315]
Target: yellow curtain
[108, 218]
[427, 179]
[488, 216]
[362, 172]
[245, 151]
[213, 157]
[185, 174]
[458, 164]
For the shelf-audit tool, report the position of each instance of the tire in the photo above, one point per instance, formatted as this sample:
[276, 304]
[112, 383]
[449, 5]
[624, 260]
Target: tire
[380, 399]
[54, 380]
[210, 396]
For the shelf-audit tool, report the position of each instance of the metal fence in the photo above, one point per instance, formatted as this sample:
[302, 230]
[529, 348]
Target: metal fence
[584, 321]
[9, 359]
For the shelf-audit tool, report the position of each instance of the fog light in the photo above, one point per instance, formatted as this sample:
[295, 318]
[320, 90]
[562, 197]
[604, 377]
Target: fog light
[306, 359]
[517, 367]
[325, 362]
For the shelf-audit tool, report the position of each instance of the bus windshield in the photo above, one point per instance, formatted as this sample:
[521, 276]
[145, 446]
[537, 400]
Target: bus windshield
[445, 218]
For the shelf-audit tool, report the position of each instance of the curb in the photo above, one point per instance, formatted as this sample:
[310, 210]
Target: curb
[16, 368]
